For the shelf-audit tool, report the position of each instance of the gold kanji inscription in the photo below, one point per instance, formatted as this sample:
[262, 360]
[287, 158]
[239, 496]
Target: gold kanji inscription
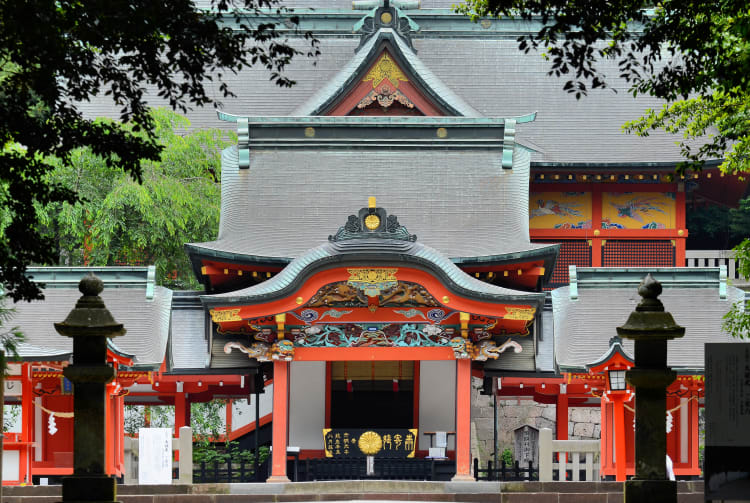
[372, 275]
[519, 313]
[225, 315]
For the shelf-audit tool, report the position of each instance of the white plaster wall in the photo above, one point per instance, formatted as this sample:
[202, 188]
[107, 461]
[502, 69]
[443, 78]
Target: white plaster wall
[307, 404]
[437, 400]
[243, 411]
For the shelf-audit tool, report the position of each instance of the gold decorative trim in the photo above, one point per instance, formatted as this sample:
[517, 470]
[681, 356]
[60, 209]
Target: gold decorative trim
[519, 313]
[385, 68]
[329, 454]
[372, 275]
[370, 443]
[446, 299]
[386, 18]
[372, 222]
[441, 132]
[310, 132]
[299, 300]
[225, 315]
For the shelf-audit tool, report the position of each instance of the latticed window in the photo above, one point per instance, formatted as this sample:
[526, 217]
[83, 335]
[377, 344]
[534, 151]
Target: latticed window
[572, 252]
[638, 253]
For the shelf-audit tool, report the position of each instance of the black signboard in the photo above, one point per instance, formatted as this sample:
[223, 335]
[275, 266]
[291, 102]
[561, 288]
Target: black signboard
[352, 443]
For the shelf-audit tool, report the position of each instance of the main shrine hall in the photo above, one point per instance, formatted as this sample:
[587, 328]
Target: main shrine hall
[421, 209]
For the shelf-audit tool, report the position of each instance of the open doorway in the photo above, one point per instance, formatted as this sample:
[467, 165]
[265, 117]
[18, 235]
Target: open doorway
[372, 394]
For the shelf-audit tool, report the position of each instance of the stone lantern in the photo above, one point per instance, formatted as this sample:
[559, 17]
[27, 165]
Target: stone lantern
[650, 327]
[90, 324]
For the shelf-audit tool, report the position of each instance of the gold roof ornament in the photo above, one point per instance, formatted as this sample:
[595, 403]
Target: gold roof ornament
[385, 68]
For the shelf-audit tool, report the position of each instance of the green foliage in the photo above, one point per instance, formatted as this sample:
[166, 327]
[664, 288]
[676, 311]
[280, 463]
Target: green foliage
[718, 124]
[155, 416]
[227, 452]
[56, 55]
[208, 420]
[10, 338]
[507, 456]
[693, 55]
[714, 227]
[121, 221]
[209, 425]
[737, 320]
[11, 414]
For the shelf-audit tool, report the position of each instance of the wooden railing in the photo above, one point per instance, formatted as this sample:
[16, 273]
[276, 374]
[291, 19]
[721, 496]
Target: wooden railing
[569, 465]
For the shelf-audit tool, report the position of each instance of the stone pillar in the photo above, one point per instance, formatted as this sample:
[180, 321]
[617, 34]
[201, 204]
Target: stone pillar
[650, 327]
[90, 324]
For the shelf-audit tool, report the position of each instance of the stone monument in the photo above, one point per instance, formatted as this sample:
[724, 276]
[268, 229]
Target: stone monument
[526, 445]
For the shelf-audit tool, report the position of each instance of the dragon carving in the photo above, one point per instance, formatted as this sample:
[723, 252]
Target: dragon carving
[489, 349]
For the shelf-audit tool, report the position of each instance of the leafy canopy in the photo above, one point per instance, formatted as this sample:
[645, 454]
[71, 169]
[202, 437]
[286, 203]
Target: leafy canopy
[55, 55]
[694, 55]
[120, 221]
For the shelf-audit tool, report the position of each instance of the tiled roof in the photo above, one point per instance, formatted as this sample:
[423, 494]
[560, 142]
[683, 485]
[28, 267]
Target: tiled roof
[460, 202]
[188, 342]
[583, 327]
[488, 72]
[146, 321]
[365, 57]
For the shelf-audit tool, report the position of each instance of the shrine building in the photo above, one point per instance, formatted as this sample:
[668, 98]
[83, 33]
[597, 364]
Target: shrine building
[425, 206]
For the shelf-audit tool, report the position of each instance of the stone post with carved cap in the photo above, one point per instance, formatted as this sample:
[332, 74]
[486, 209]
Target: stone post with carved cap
[90, 324]
[650, 327]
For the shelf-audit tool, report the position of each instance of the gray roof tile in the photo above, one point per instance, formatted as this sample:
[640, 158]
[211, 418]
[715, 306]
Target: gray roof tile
[146, 321]
[188, 343]
[460, 202]
[491, 75]
[583, 327]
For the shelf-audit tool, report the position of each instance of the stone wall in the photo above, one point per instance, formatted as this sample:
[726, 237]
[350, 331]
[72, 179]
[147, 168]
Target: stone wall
[583, 422]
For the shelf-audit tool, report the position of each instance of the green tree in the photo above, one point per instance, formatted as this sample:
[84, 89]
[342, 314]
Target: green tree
[57, 54]
[694, 55]
[121, 221]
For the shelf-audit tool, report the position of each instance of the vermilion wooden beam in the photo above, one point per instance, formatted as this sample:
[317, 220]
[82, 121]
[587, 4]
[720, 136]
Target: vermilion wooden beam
[372, 354]
[463, 421]
[280, 421]
[317, 281]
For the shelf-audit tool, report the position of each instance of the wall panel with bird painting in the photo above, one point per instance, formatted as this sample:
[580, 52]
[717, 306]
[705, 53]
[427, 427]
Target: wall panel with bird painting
[560, 210]
[638, 210]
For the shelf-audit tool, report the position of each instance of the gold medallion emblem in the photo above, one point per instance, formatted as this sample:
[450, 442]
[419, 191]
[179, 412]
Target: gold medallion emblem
[370, 443]
[441, 132]
[372, 222]
[310, 132]
[386, 18]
